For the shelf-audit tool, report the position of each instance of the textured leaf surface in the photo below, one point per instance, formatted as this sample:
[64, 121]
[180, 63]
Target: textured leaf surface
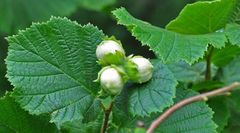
[221, 112]
[169, 46]
[193, 118]
[155, 95]
[79, 127]
[13, 119]
[221, 57]
[18, 14]
[207, 85]
[233, 124]
[187, 73]
[52, 66]
[203, 17]
[121, 115]
[231, 72]
[233, 33]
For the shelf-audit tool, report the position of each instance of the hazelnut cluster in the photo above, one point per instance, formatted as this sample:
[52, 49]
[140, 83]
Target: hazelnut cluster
[119, 69]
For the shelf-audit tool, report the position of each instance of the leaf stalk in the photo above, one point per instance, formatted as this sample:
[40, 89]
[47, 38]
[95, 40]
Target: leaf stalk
[107, 113]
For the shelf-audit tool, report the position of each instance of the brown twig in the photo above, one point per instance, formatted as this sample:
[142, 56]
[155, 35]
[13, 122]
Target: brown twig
[200, 97]
[106, 118]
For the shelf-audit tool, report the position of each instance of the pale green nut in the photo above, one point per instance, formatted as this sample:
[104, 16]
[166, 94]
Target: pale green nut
[107, 47]
[111, 80]
[144, 67]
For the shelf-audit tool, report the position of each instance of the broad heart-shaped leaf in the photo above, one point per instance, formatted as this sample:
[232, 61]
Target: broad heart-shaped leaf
[14, 119]
[52, 66]
[155, 95]
[203, 17]
[193, 118]
[18, 14]
[169, 46]
[221, 112]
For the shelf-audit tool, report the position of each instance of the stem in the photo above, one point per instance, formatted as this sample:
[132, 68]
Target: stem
[107, 113]
[200, 97]
[208, 67]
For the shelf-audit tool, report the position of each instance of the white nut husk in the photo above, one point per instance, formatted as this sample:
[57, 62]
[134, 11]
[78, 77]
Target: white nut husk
[144, 67]
[111, 80]
[108, 46]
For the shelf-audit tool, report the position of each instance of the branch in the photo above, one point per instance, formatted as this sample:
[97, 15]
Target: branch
[200, 97]
[106, 118]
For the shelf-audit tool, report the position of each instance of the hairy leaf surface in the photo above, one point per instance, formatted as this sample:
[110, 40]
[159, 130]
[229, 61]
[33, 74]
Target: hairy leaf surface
[233, 33]
[52, 66]
[155, 95]
[167, 45]
[193, 118]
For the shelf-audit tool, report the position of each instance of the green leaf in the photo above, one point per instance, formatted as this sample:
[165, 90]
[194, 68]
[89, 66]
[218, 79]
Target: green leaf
[234, 100]
[232, 129]
[231, 72]
[13, 119]
[233, 124]
[207, 85]
[144, 99]
[232, 32]
[193, 118]
[222, 57]
[121, 116]
[52, 66]
[18, 14]
[203, 17]
[169, 46]
[155, 95]
[79, 127]
[187, 73]
[221, 112]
